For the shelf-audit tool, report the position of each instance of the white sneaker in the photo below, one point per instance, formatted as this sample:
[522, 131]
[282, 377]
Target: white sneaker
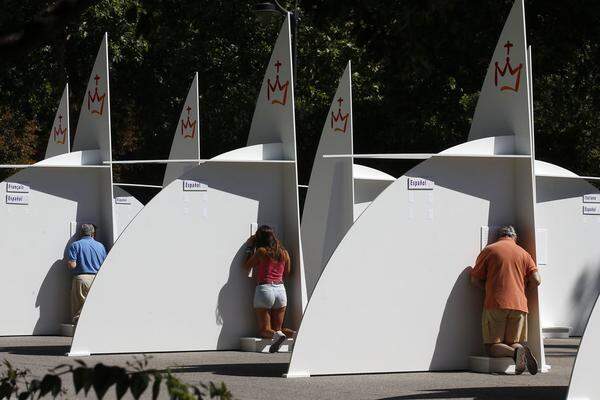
[278, 338]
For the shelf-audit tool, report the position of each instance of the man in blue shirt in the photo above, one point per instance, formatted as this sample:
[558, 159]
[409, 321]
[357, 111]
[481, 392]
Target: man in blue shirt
[85, 257]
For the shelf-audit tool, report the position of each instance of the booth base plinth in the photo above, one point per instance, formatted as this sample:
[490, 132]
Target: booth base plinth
[260, 345]
[489, 365]
[556, 332]
[67, 330]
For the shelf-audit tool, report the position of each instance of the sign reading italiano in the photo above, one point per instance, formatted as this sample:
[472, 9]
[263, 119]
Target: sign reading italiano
[591, 198]
[194, 186]
[13, 187]
[21, 199]
[420, 184]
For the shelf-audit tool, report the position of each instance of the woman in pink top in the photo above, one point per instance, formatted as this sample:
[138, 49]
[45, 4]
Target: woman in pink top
[270, 263]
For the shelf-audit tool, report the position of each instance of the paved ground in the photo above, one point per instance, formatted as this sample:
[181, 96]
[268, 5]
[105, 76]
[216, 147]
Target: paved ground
[258, 376]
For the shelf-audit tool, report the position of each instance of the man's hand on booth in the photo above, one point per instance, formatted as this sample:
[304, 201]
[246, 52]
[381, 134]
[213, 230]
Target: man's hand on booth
[71, 264]
[475, 281]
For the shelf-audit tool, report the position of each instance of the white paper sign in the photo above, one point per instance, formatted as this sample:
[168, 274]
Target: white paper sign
[22, 199]
[420, 184]
[591, 198]
[592, 209]
[194, 186]
[123, 200]
[13, 187]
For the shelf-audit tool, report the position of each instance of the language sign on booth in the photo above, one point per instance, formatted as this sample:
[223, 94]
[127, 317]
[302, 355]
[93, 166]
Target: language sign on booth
[21, 199]
[122, 200]
[12, 187]
[591, 210]
[194, 186]
[591, 198]
[420, 184]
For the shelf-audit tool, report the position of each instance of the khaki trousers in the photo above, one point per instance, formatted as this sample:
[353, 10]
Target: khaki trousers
[80, 288]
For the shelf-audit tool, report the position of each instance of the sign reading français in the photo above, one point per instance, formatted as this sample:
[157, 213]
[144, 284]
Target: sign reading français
[122, 200]
[420, 184]
[194, 186]
[13, 187]
[592, 209]
[591, 198]
[21, 199]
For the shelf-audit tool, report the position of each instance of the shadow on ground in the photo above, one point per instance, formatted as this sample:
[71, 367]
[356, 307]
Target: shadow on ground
[37, 350]
[257, 370]
[492, 393]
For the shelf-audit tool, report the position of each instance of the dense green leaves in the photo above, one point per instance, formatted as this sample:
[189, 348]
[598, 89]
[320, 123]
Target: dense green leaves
[15, 383]
[418, 68]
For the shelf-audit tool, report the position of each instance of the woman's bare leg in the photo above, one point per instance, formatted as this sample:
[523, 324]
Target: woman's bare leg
[277, 316]
[264, 323]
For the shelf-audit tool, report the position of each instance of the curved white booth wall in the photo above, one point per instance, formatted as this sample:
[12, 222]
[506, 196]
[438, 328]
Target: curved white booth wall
[568, 250]
[368, 184]
[186, 249]
[584, 378]
[404, 262]
[38, 227]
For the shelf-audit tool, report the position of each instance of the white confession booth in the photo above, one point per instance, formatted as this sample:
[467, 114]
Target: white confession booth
[427, 227]
[338, 190]
[44, 204]
[584, 378]
[187, 244]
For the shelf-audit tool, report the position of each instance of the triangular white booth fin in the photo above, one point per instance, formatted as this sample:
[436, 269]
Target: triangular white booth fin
[60, 140]
[93, 126]
[503, 106]
[274, 120]
[186, 140]
[328, 208]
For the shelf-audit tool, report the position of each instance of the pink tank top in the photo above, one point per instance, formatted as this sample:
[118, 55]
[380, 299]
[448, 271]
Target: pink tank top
[269, 270]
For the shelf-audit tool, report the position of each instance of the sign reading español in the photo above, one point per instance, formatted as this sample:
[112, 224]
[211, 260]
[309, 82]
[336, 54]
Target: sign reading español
[14, 187]
[194, 186]
[591, 198]
[21, 199]
[591, 209]
[123, 200]
[420, 184]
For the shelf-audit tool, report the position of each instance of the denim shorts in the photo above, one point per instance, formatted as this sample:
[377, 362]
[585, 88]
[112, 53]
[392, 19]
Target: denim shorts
[270, 296]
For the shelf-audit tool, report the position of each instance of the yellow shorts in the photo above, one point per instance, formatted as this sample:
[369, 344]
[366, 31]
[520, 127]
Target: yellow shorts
[504, 326]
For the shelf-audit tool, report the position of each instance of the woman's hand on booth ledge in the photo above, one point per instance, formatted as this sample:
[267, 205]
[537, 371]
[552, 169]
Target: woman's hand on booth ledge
[71, 264]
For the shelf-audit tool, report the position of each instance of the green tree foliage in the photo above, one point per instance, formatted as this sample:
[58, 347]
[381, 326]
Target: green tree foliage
[138, 379]
[418, 67]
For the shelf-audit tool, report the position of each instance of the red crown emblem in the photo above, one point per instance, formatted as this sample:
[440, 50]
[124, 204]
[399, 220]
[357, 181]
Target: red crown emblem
[95, 103]
[515, 73]
[277, 87]
[339, 121]
[59, 135]
[188, 128]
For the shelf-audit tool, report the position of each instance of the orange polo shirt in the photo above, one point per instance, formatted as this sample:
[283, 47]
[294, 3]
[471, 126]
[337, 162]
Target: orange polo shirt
[505, 266]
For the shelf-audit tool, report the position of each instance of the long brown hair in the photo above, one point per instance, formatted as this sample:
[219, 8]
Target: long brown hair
[265, 238]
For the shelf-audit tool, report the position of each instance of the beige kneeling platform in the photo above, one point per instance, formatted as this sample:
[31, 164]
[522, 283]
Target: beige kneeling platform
[489, 365]
[556, 332]
[260, 345]
[67, 329]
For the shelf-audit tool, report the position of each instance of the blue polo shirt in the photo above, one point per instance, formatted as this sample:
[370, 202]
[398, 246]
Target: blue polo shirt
[89, 255]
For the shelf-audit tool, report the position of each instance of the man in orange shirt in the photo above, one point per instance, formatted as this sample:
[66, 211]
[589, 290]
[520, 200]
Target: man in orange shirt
[504, 270]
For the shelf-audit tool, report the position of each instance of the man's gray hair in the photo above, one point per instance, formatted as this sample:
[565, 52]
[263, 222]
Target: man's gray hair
[507, 230]
[87, 229]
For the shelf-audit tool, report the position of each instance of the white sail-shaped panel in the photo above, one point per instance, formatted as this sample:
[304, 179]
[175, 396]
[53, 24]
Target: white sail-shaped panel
[186, 140]
[93, 126]
[328, 208]
[584, 378]
[59, 141]
[503, 106]
[273, 120]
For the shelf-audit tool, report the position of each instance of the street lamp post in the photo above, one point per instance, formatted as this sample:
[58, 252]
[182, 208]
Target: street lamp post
[275, 7]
